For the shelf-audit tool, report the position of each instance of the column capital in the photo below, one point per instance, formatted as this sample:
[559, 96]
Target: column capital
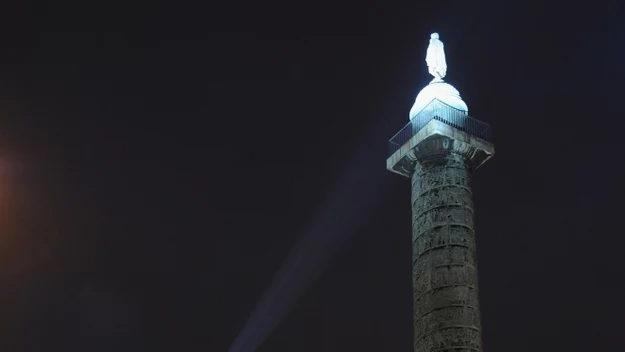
[434, 144]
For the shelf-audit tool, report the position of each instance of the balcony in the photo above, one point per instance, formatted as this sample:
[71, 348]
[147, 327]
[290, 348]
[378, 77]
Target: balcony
[444, 113]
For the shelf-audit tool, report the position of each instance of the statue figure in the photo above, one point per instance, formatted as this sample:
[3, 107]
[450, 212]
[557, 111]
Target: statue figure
[435, 58]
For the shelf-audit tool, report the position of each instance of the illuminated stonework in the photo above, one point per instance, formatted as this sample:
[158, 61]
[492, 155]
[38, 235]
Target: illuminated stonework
[442, 91]
[437, 89]
[435, 58]
[440, 159]
[444, 272]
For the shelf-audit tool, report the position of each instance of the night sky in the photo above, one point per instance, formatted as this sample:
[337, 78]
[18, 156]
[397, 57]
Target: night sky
[160, 161]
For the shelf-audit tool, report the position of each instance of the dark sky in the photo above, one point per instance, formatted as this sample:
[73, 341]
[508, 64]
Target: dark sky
[160, 160]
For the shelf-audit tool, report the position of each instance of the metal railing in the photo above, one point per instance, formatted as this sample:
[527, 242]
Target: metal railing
[444, 113]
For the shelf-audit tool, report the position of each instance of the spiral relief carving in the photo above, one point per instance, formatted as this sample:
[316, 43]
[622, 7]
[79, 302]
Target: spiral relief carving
[446, 306]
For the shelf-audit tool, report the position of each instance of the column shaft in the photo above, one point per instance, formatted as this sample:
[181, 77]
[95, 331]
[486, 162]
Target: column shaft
[444, 274]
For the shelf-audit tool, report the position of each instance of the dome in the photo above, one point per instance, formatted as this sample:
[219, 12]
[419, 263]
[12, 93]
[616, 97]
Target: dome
[442, 91]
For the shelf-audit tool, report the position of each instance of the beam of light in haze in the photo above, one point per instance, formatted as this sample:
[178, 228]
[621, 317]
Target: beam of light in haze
[355, 196]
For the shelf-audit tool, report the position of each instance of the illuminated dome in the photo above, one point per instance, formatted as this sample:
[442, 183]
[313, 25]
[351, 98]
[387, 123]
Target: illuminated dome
[442, 91]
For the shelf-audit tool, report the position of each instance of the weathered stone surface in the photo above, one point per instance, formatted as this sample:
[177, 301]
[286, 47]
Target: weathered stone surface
[455, 339]
[433, 143]
[446, 306]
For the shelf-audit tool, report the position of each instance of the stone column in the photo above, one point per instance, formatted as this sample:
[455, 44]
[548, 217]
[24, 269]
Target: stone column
[440, 159]
[444, 272]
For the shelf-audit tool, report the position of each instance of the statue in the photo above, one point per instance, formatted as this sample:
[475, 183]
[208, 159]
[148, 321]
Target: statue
[435, 58]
